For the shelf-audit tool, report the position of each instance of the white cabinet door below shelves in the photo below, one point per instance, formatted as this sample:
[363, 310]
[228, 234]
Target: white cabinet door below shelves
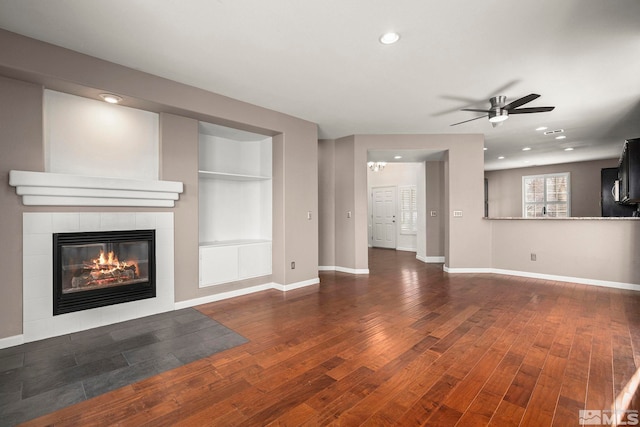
[228, 263]
[218, 265]
[254, 260]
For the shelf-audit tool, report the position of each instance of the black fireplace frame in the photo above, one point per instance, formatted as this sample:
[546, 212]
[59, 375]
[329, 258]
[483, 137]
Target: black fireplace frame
[94, 298]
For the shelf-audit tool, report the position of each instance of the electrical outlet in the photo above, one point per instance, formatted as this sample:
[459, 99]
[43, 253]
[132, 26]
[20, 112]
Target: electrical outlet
[533, 256]
[293, 265]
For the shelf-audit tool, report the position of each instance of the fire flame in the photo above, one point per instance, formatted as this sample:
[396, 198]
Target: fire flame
[110, 262]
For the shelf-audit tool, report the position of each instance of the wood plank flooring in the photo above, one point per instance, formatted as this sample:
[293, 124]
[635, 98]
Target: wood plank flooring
[406, 345]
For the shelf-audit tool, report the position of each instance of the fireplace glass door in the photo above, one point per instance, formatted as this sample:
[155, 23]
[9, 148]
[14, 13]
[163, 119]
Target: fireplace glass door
[102, 268]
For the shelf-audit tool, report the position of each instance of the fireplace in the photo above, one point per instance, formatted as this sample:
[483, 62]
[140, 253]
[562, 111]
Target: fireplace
[96, 269]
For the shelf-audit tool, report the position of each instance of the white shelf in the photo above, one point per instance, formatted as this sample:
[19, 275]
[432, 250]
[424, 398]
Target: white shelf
[233, 242]
[235, 208]
[231, 176]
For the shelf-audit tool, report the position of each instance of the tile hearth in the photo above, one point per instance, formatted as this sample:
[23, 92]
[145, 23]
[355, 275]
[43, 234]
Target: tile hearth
[43, 376]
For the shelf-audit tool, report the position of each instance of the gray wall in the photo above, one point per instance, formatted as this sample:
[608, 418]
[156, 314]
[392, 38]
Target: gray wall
[505, 187]
[594, 249]
[344, 238]
[466, 239]
[326, 209]
[20, 148]
[435, 202]
[27, 65]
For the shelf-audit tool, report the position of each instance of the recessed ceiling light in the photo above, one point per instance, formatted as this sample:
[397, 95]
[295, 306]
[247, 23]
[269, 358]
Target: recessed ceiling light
[561, 137]
[397, 157]
[526, 149]
[501, 157]
[541, 128]
[110, 98]
[568, 149]
[389, 38]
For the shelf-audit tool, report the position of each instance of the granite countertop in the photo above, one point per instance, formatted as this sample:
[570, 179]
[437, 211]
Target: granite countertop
[573, 218]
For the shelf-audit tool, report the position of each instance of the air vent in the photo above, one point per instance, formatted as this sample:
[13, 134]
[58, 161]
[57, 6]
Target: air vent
[551, 132]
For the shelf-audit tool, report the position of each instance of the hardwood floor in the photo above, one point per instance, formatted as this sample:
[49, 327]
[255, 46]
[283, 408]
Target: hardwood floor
[407, 345]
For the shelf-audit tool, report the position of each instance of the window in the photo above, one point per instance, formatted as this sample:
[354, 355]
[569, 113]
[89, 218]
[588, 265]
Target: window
[546, 195]
[408, 209]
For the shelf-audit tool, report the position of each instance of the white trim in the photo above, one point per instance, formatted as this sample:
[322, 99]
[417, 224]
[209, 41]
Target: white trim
[467, 270]
[407, 249]
[94, 201]
[343, 269]
[296, 285]
[11, 341]
[352, 270]
[580, 280]
[221, 296]
[245, 291]
[430, 259]
[57, 189]
[94, 192]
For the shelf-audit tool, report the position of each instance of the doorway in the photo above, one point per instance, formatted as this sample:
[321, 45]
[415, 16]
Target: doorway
[383, 217]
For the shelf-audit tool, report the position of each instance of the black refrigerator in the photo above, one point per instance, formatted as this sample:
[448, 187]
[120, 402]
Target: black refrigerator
[607, 203]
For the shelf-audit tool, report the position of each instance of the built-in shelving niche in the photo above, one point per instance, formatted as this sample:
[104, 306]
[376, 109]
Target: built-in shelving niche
[235, 204]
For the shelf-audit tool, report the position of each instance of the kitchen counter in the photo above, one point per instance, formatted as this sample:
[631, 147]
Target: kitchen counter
[576, 218]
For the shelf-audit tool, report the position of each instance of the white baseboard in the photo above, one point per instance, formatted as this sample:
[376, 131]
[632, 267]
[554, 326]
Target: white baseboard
[245, 291]
[581, 280]
[297, 285]
[223, 295]
[554, 277]
[406, 249]
[467, 270]
[11, 341]
[430, 259]
[343, 269]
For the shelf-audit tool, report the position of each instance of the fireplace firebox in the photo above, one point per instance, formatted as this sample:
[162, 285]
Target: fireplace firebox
[96, 269]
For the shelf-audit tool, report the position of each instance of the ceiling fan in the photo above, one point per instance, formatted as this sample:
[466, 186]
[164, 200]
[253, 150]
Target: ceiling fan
[499, 111]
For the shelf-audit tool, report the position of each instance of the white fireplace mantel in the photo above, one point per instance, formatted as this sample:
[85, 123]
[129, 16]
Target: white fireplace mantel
[56, 189]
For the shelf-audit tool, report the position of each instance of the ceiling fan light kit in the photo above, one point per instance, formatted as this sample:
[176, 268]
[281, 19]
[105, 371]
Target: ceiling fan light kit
[498, 116]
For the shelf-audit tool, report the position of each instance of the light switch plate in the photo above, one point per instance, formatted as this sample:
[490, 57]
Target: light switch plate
[457, 213]
[433, 213]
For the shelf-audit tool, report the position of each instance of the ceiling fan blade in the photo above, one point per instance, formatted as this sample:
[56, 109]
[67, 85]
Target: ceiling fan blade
[476, 110]
[470, 120]
[531, 110]
[518, 102]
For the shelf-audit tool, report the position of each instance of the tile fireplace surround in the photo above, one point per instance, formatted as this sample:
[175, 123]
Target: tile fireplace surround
[37, 270]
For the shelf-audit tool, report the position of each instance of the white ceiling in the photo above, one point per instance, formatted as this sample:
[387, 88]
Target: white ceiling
[321, 61]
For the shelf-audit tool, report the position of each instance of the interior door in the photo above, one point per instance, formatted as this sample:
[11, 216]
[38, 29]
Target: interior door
[384, 217]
